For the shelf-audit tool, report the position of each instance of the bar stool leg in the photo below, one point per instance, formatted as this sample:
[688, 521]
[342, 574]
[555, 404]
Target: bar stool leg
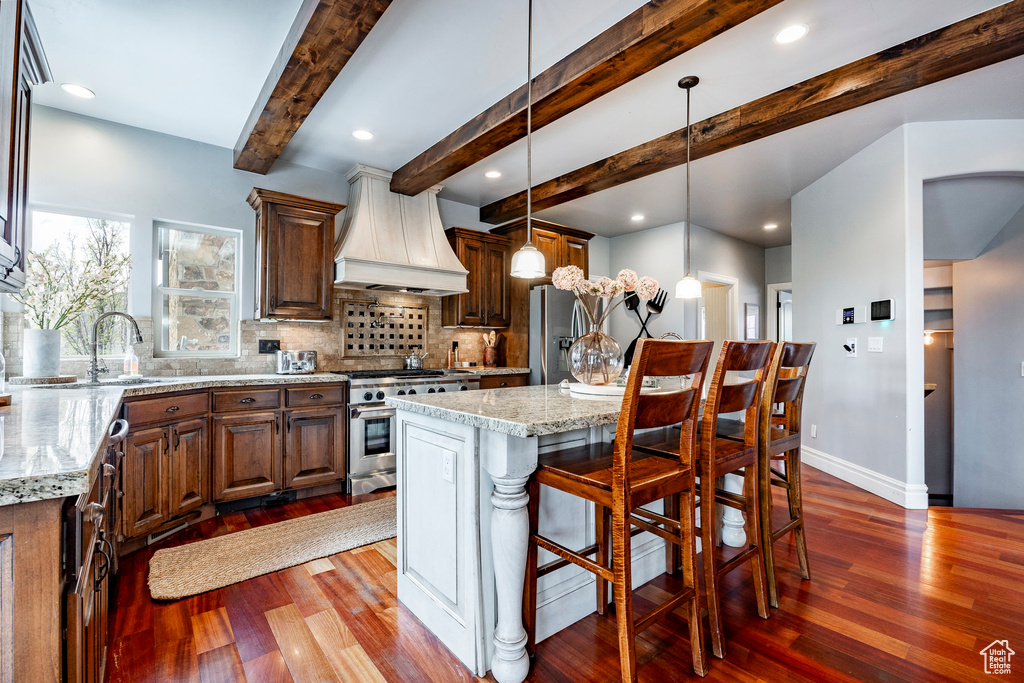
[688, 557]
[764, 490]
[530, 598]
[601, 533]
[752, 512]
[796, 508]
[672, 551]
[623, 590]
[708, 522]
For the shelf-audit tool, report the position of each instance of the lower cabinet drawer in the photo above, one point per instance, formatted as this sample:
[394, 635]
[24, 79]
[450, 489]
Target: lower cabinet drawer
[149, 410]
[315, 396]
[241, 399]
[502, 381]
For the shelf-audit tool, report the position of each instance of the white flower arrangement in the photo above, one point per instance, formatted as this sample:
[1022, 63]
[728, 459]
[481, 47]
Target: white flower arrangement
[59, 290]
[590, 292]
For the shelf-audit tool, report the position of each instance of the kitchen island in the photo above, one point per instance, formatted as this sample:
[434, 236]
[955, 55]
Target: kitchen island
[463, 463]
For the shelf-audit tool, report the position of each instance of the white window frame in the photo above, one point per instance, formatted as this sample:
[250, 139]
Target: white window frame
[98, 215]
[159, 291]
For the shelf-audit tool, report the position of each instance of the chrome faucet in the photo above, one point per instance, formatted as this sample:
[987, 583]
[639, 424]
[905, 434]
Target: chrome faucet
[94, 366]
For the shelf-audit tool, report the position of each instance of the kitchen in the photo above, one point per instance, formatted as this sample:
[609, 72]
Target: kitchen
[142, 158]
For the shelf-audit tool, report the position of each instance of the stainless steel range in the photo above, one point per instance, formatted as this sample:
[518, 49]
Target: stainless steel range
[371, 424]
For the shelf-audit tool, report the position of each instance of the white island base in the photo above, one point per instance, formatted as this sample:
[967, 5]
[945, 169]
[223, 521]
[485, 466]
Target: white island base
[463, 464]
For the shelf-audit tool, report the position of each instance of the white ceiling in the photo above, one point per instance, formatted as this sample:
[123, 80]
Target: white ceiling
[962, 215]
[194, 68]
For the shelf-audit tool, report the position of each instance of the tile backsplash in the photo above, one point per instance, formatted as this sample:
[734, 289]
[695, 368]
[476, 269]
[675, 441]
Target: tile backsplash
[326, 338]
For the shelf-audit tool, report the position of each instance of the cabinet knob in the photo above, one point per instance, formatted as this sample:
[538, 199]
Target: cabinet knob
[316, 396]
[248, 400]
[503, 384]
[109, 470]
[93, 512]
[173, 409]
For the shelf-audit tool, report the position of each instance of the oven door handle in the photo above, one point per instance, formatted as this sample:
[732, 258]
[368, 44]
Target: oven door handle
[372, 413]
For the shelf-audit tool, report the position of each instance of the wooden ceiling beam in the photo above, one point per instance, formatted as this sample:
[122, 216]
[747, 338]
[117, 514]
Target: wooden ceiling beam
[319, 44]
[973, 43]
[650, 36]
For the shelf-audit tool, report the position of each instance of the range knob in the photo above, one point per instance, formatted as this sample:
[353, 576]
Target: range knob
[440, 390]
[368, 396]
[401, 392]
[380, 395]
[463, 388]
[431, 390]
[412, 391]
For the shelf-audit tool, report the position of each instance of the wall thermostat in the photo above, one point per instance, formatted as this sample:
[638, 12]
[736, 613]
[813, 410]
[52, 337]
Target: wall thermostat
[850, 315]
[884, 309]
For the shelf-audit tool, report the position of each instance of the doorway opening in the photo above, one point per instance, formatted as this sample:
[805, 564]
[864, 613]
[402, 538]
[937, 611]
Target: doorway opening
[780, 317]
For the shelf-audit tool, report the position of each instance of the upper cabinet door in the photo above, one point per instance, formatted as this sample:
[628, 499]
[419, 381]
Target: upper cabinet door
[472, 253]
[497, 274]
[485, 304]
[294, 255]
[575, 252]
[548, 243]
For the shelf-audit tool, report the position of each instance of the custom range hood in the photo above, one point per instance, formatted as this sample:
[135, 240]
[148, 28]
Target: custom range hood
[392, 242]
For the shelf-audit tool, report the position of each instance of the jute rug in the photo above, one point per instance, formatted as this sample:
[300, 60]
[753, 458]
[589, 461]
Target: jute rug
[217, 562]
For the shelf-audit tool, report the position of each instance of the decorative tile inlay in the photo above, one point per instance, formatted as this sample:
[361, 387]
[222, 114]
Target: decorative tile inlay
[375, 329]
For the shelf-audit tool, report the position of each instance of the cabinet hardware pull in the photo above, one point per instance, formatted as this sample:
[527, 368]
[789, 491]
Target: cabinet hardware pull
[109, 470]
[277, 425]
[105, 569]
[273, 301]
[177, 437]
[93, 513]
[316, 396]
[248, 400]
[173, 409]
[288, 425]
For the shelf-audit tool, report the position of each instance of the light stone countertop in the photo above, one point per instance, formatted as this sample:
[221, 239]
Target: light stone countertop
[52, 437]
[516, 411]
[480, 370]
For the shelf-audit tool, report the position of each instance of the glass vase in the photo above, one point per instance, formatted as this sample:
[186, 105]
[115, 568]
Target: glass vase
[595, 358]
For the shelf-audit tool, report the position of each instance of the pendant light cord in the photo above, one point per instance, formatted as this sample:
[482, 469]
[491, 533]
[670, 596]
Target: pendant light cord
[688, 181]
[529, 123]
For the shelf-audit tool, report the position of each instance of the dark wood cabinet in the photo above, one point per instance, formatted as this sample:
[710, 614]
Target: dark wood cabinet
[144, 506]
[314, 450]
[504, 381]
[486, 304]
[294, 255]
[246, 455]
[187, 467]
[560, 244]
[22, 67]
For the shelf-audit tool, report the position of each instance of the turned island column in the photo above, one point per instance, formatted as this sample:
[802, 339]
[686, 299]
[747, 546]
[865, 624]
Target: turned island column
[509, 460]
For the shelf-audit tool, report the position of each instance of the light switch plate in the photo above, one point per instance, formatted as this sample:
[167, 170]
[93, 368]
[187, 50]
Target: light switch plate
[852, 343]
[875, 344]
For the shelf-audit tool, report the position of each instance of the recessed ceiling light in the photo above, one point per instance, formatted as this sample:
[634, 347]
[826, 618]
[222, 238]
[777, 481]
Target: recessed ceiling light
[78, 90]
[361, 134]
[791, 34]
[492, 174]
[637, 217]
[770, 226]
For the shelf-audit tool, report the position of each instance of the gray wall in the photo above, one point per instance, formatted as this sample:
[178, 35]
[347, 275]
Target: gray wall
[85, 164]
[778, 265]
[988, 308]
[849, 249]
[658, 252]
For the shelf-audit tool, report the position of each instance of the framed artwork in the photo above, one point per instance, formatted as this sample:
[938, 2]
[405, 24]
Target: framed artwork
[752, 321]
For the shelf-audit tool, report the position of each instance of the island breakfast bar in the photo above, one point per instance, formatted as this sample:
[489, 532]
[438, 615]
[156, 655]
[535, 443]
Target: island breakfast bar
[463, 463]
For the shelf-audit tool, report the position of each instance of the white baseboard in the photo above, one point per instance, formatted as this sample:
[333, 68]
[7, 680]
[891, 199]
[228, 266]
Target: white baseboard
[910, 496]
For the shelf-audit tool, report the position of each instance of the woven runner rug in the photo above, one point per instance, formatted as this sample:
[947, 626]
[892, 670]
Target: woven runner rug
[217, 562]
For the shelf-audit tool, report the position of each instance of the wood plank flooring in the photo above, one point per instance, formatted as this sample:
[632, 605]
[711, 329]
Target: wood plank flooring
[896, 595]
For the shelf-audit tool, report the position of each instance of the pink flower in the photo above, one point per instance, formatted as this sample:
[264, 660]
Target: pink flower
[568, 277]
[628, 279]
[647, 288]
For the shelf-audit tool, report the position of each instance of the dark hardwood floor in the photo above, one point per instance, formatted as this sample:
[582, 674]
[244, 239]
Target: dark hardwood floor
[896, 595]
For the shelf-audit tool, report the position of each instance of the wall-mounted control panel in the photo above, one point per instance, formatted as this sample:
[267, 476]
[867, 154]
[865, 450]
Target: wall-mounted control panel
[850, 315]
[884, 309]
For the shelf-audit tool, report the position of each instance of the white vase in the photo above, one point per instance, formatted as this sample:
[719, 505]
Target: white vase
[42, 353]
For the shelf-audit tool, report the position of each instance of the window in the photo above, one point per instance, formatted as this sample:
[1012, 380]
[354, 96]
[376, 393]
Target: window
[197, 290]
[75, 242]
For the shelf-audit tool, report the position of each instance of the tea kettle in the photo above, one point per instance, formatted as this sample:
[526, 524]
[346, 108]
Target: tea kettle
[414, 361]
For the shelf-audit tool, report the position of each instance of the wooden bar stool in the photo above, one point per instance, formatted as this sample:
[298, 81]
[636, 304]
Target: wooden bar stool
[779, 440]
[721, 455]
[621, 477]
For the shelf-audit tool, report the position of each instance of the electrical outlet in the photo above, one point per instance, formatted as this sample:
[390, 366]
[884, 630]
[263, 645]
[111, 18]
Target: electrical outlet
[1022, 369]
[448, 466]
[814, 431]
[270, 345]
[851, 347]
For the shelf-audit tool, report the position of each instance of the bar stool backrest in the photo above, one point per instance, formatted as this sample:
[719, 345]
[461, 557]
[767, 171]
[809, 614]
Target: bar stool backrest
[737, 356]
[787, 379]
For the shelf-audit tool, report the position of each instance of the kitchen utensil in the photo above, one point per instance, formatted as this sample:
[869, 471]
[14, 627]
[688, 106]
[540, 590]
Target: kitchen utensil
[494, 338]
[487, 339]
[414, 361]
[656, 305]
[631, 301]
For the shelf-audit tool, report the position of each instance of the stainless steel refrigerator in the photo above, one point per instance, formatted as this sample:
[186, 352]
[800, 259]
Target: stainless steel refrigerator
[556, 321]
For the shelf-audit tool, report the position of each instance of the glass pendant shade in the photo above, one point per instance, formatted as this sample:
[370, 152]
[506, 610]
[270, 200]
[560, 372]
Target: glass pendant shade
[689, 288]
[528, 263]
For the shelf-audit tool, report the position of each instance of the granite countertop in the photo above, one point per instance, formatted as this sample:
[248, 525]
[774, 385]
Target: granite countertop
[480, 370]
[52, 437]
[517, 411]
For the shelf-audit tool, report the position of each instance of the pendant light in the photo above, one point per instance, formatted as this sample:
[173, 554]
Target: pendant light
[689, 287]
[528, 263]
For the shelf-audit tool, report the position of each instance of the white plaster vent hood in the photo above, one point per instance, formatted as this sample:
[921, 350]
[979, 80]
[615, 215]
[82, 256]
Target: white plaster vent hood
[392, 242]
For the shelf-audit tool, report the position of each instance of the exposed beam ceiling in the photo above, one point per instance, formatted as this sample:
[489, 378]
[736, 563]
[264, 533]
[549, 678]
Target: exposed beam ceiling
[322, 39]
[648, 37]
[978, 41]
